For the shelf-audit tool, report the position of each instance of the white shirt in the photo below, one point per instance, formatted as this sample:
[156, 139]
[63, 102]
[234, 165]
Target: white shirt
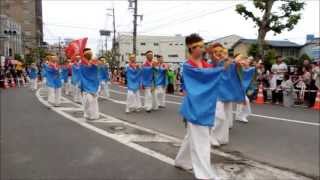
[279, 70]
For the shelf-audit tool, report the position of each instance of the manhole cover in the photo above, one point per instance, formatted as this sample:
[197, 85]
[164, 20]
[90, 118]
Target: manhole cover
[233, 168]
[118, 128]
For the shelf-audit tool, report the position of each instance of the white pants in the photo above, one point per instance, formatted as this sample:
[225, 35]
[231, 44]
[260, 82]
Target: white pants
[76, 93]
[54, 96]
[195, 152]
[67, 86]
[44, 82]
[34, 84]
[220, 130]
[243, 110]
[104, 89]
[161, 96]
[150, 100]
[90, 106]
[133, 100]
[228, 113]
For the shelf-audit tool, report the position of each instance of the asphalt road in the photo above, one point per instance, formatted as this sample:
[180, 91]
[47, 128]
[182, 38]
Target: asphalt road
[277, 139]
[37, 143]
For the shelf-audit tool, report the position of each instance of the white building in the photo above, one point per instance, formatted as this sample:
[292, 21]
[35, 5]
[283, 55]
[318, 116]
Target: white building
[172, 48]
[227, 41]
[10, 37]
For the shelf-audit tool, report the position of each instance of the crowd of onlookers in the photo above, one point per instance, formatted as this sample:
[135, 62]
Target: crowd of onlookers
[282, 84]
[173, 78]
[290, 84]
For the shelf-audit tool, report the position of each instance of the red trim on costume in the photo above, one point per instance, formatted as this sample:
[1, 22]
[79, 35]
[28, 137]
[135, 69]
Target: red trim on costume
[147, 63]
[203, 62]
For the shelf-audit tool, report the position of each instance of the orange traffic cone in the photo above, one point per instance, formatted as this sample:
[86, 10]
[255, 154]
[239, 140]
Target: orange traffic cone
[260, 98]
[6, 85]
[13, 83]
[317, 101]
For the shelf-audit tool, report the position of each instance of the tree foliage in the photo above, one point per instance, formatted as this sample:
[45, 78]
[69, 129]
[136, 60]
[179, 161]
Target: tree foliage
[285, 17]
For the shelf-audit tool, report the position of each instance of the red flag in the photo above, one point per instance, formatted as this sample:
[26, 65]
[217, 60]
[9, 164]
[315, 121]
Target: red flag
[75, 48]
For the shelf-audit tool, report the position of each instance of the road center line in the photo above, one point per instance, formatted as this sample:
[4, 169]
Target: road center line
[255, 115]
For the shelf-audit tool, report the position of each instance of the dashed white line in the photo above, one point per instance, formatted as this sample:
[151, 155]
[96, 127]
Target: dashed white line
[255, 115]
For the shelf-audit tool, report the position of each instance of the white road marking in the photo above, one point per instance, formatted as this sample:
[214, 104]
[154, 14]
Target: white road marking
[130, 142]
[124, 87]
[256, 115]
[122, 140]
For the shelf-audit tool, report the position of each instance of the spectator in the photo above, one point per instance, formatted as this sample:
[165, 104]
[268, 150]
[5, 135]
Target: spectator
[171, 80]
[316, 74]
[307, 78]
[287, 89]
[263, 78]
[278, 69]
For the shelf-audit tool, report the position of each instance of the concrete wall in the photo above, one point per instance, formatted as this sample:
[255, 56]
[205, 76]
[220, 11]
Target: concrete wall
[172, 48]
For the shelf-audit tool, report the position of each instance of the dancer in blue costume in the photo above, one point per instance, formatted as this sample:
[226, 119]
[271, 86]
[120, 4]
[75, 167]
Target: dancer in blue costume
[201, 83]
[89, 85]
[134, 75]
[103, 71]
[161, 81]
[33, 75]
[148, 82]
[75, 80]
[54, 83]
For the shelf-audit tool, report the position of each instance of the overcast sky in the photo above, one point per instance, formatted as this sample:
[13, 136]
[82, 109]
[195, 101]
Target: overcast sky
[211, 19]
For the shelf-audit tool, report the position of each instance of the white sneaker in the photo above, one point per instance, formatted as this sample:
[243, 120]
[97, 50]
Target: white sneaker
[245, 120]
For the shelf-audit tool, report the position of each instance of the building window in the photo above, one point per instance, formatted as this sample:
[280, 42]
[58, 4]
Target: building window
[181, 44]
[142, 54]
[176, 44]
[225, 43]
[173, 55]
[143, 44]
[156, 44]
[170, 44]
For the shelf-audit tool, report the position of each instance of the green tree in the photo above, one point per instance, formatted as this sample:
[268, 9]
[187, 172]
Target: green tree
[285, 18]
[270, 58]
[253, 50]
[18, 57]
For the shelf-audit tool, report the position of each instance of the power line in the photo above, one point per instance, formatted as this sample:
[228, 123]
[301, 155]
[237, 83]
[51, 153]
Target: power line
[188, 19]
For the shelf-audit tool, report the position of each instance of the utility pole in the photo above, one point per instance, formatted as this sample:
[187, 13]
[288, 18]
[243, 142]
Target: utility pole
[135, 16]
[134, 39]
[59, 47]
[114, 34]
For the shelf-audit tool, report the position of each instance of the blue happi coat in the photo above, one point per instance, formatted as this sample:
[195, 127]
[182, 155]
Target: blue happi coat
[64, 74]
[103, 73]
[43, 70]
[32, 72]
[147, 76]
[160, 76]
[89, 81]
[231, 89]
[134, 76]
[75, 79]
[247, 77]
[201, 86]
[53, 77]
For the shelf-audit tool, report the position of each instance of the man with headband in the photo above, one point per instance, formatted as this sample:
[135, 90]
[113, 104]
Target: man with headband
[103, 77]
[75, 79]
[89, 85]
[201, 83]
[53, 80]
[161, 81]
[148, 82]
[133, 75]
